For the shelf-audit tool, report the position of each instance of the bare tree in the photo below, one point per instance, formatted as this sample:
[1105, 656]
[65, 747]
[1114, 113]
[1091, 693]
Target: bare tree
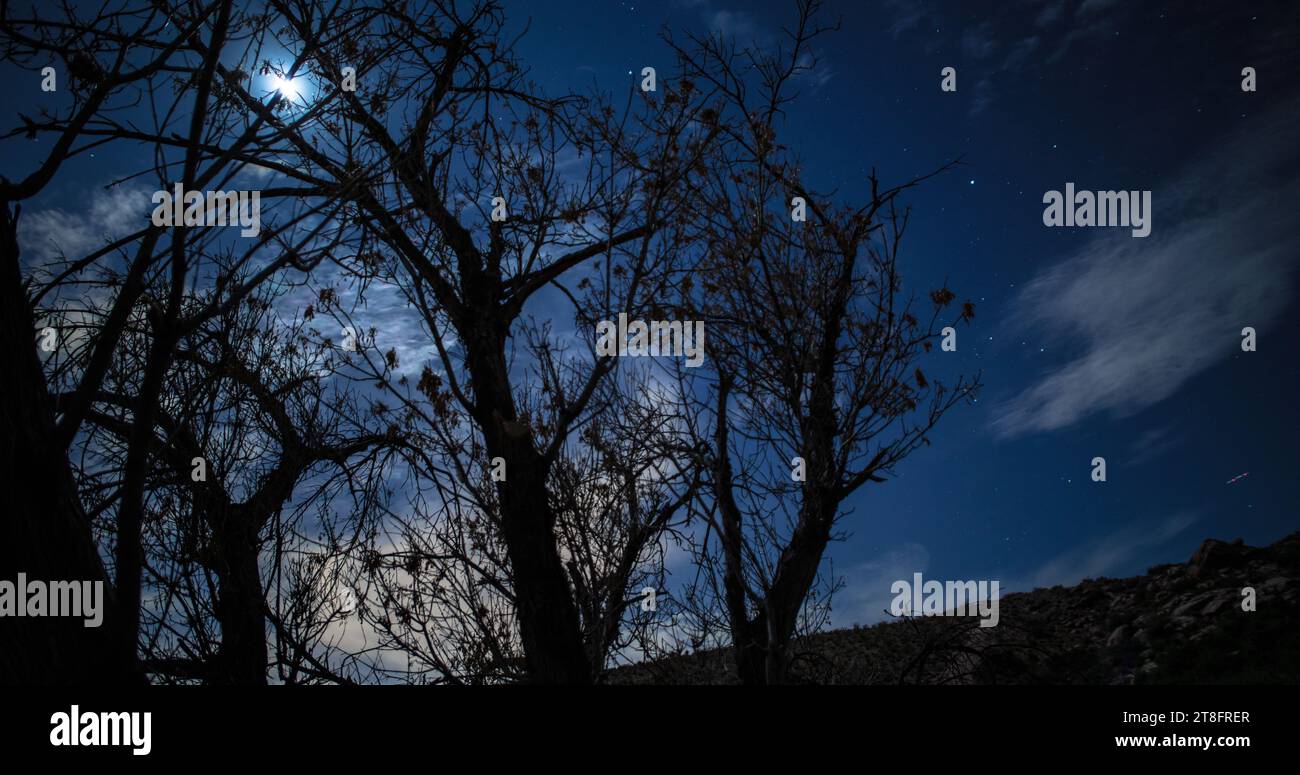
[165, 56]
[249, 417]
[816, 388]
[497, 516]
[440, 585]
[480, 194]
[47, 533]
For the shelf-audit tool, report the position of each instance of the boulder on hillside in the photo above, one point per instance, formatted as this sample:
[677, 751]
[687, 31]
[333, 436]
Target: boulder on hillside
[1215, 555]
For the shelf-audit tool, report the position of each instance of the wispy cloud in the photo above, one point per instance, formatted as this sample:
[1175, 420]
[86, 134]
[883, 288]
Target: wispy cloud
[814, 70]
[1051, 13]
[105, 215]
[739, 25]
[1088, 7]
[908, 14]
[1002, 42]
[1152, 313]
[866, 595]
[1087, 29]
[1020, 53]
[983, 97]
[1152, 444]
[1119, 553]
[979, 42]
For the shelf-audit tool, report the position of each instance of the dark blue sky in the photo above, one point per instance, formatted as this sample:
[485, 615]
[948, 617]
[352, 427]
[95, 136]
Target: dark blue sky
[1136, 354]
[1091, 343]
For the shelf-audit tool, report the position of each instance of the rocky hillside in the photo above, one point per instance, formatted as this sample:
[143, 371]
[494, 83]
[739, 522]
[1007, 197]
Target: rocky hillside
[1179, 623]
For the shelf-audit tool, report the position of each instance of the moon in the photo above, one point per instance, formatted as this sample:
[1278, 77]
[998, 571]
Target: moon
[286, 86]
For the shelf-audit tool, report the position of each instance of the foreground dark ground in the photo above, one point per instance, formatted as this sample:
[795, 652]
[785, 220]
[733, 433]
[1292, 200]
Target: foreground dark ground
[1181, 623]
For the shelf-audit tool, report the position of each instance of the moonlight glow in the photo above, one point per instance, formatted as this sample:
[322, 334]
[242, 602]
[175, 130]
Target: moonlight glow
[287, 87]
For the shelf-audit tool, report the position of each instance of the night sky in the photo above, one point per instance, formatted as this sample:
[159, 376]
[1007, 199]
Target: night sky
[1141, 363]
[1091, 342]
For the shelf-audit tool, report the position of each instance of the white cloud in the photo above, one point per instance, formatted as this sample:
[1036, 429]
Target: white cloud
[814, 70]
[109, 214]
[1152, 313]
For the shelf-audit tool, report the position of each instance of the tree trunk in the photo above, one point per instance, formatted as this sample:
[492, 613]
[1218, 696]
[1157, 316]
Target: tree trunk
[44, 532]
[795, 572]
[242, 656]
[548, 619]
[750, 646]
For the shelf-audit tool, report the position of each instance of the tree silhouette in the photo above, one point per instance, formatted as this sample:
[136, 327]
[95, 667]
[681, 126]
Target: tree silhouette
[816, 388]
[395, 386]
